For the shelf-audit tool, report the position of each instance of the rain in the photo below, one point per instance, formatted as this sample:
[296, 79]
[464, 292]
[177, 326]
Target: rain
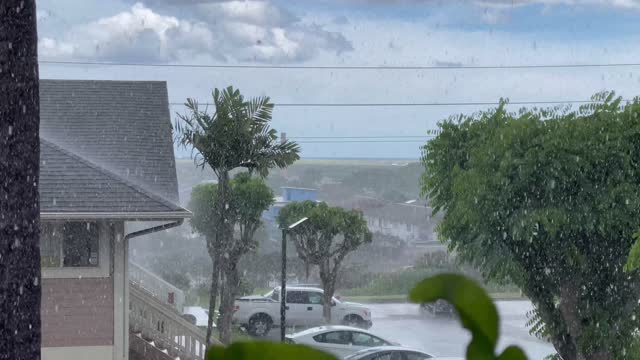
[366, 179]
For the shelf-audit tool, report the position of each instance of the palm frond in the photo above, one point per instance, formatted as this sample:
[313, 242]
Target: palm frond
[259, 110]
[536, 325]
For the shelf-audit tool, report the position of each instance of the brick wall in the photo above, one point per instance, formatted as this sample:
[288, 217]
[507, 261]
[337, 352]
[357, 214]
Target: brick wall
[77, 312]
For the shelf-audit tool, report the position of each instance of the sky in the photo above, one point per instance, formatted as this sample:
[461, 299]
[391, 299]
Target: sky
[398, 33]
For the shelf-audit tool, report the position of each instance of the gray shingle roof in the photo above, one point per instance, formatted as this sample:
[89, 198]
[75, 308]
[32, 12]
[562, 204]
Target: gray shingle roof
[106, 147]
[122, 126]
[69, 183]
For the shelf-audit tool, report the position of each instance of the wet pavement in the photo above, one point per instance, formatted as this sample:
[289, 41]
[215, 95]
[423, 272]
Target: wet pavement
[445, 337]
[440, 336]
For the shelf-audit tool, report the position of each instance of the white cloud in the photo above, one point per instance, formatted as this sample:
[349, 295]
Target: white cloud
[625, 4]
[234, 30]
[414, 43]
[261, 13]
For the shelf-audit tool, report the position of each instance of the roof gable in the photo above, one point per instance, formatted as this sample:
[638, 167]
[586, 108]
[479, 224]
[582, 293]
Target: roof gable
[72, 184]
[122, 126]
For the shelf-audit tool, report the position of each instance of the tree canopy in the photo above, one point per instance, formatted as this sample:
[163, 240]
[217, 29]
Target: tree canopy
[236, 135]
[550, 199]
[329, 235]
[248, 198]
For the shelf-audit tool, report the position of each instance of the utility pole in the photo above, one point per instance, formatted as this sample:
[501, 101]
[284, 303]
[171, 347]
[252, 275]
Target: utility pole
[283, 279]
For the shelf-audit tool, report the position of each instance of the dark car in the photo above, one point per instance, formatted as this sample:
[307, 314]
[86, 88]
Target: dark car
[439, 307]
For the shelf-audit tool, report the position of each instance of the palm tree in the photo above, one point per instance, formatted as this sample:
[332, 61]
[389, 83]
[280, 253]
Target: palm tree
[236, 135]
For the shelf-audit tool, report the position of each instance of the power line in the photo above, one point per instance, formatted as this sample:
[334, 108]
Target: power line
[360, 137]
[341, 67]
[467, 103]
[358, 141]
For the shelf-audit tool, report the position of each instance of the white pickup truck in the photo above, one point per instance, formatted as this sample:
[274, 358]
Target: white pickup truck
[258, 313]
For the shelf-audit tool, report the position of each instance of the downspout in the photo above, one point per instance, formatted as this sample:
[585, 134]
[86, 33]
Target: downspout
[150, 230]
[153, 229]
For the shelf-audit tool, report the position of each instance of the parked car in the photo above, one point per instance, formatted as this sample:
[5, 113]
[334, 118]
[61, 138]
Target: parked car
[389, 353]
[197, 315]
[338, 340]
[439, 307]
[259, 313]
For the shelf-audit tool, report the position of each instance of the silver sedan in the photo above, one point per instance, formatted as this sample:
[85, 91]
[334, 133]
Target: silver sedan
[389, 353]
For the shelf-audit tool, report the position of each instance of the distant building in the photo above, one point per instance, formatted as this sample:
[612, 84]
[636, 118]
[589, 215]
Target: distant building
[289, 194]
[410, 221]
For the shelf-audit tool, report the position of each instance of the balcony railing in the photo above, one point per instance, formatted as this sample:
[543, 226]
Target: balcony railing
[158, 323]
[156, 286]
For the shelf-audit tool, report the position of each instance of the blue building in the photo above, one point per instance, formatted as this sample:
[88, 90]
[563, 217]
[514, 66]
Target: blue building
[289, 194]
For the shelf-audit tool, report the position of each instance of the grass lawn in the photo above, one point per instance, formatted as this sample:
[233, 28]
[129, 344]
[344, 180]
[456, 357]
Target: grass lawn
[376, 299]
[382, 299]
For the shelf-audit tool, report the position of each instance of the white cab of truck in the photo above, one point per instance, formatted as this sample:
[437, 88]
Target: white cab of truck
[259, 313]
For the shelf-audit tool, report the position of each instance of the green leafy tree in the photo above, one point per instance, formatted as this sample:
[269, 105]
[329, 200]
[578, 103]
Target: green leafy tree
[248, 198]
[236, 135]
[548, 199]
[325, 239]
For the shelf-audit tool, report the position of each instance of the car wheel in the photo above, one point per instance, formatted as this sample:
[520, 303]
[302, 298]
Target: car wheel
[353, 320]
[259, 325]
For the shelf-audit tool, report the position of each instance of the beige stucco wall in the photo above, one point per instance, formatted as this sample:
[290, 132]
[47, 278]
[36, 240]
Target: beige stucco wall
[78, 353]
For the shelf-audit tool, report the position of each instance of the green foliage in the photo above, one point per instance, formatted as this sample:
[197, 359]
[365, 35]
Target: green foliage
[266, 351]
[236, 135]
[550, 200]
[398, 282]
[633, 261]
[245, 287]
[329, 234]
[248, 198]
[202, 205]
[477, 313]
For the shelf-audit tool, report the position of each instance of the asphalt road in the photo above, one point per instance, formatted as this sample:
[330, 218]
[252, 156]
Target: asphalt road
[405, 324]
[444, 337]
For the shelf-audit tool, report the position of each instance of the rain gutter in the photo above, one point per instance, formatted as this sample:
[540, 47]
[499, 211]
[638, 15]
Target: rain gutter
[143, 216]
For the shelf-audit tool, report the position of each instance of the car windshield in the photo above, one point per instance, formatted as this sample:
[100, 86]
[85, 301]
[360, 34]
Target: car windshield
[397, 164]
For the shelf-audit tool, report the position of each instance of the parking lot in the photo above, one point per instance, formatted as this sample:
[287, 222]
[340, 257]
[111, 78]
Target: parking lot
[439, 336]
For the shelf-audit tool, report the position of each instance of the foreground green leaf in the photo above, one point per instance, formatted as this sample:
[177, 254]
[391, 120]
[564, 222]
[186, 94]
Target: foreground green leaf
[633, 261]
[512, 353]
[266, 351]
[473, 305]
[477, 312]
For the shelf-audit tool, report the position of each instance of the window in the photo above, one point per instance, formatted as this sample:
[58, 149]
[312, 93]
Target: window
[275, 295]
[412, 355]
[334, 337]
[297, 297]
[362, 339]
[314, 298]
[70, 244]
[393, 355]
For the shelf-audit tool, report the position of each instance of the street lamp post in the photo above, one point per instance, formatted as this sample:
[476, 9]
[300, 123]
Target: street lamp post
[283, 279]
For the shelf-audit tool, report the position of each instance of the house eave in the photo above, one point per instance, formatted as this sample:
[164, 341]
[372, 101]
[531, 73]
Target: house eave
[130, 216]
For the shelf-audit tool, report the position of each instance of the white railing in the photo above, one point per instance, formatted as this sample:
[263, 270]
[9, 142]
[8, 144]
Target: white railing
[158, 322]
[156, 286]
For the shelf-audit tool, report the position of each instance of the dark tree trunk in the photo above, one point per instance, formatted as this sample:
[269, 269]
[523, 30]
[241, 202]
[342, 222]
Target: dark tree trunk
[328, 287]
[217, 249]
[213, 293]
[19, 167]
[231, 291]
